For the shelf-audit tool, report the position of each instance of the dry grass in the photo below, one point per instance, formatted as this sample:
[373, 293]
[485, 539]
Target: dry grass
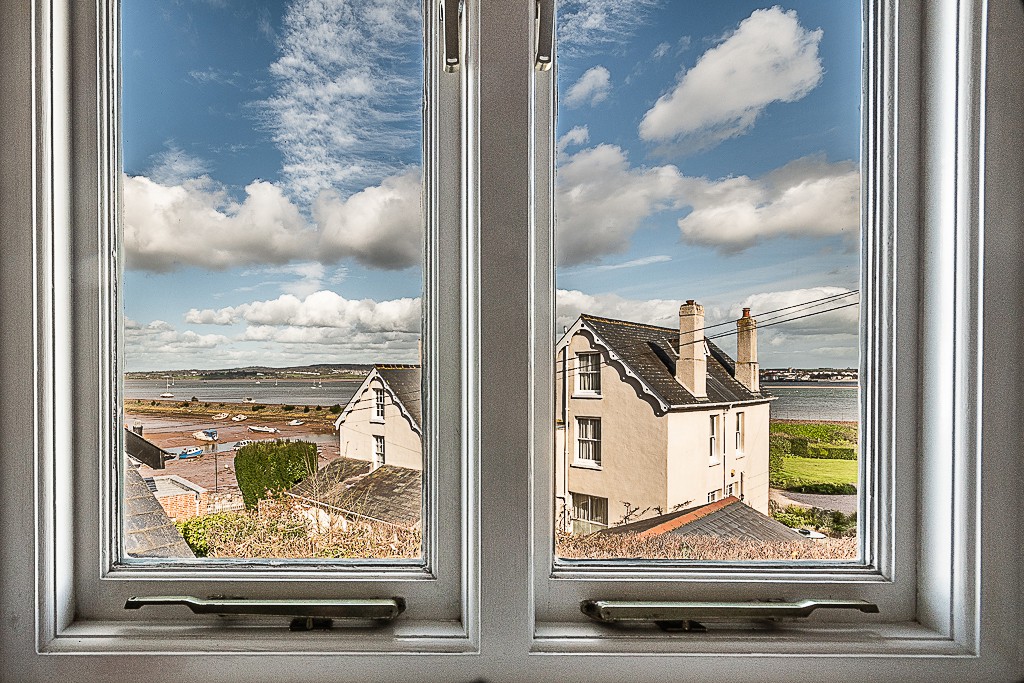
[632, 546]
[283, 529]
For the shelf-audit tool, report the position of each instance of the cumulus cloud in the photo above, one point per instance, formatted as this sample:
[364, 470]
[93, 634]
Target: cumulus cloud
[660, 50]
[196, 223]
[833, 317]
[323, 309]
[348, 93]
[769, 58]
[160, 337]
[591, 88]
[590, 26]
[600, 201]
[381, 226]
[570, 303]
[577, 136]
[808, 197]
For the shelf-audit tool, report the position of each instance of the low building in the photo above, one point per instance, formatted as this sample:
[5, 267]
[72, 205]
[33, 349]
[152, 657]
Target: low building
[180, 498]
[650, 420]
[381, 423]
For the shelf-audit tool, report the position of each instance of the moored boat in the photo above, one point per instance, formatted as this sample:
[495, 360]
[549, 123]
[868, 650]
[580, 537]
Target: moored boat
[238, 418]
[264, 429]
[219, 416]
[205, 435]
[190, 452]
[296, 423]
[166, 394]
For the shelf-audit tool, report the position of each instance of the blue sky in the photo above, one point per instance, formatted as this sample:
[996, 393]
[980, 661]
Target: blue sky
[708, 151]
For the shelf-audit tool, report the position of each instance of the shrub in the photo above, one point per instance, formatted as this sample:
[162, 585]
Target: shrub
[196, 530]
[336, 408]
[827, 451]
[798, 447]
[152, 403]
[194, 399]
[287, 407]
[816, 431]
[822, 487]
[305, 409]
[831, 522]
[318, 408]
[267, 468]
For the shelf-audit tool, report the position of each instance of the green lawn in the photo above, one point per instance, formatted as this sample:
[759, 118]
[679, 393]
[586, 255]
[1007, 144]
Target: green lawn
[820, 470]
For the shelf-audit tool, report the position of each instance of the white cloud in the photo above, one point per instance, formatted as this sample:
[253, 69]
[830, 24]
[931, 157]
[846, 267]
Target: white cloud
[323, 309]
[660, 50]
[570, 303]
[591, 88]
[588, 26]
[381, 226]
[808, 197]
[828, 318]
[577, 136]
[173, 165]
[348, 93]
[600, 202]
[633, 263]
[197, 224]
[768, 58]
[160, 337]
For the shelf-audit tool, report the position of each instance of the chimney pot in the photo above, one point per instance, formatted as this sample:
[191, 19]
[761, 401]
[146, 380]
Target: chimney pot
[746, 312]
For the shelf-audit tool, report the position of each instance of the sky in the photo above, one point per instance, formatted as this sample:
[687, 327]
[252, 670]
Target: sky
[272, 215]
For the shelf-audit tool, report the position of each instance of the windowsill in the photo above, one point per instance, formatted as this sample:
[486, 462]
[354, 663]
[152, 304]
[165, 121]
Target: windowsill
[586, 394]
[586, 464]
[377, 420]
[715, 463]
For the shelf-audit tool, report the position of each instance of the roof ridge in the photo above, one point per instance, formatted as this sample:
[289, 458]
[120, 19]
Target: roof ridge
[686, 518]
[627, 323]
[396, 366]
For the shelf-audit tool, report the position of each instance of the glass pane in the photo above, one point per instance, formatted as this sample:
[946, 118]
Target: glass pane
[707, 244]
[272, 239]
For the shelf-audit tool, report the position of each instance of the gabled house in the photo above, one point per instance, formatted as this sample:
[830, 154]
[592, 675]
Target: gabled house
[381, 424]
[651, 420]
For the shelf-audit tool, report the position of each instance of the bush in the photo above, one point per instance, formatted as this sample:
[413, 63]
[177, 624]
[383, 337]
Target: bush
[318, 408]
[287, 407]
[798, 447]
[257, 408]
[816, 431]
[336, 408]
[267, 468]
[194, 399]
[830, 522]
[196, 530]
[822, 487]
[827, 451]
[306, 409]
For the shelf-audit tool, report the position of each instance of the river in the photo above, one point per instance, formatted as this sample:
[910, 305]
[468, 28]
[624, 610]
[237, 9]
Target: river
[814, 402]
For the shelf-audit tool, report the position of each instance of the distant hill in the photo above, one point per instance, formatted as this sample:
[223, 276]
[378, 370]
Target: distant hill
[318, 370]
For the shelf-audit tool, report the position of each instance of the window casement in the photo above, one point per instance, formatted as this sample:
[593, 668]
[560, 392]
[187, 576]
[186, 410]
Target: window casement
[589, 513]
[588, 373]
[730, 489]
[378, 451]
[943, 182]
[740, 418]
[378, 404]
[713, 454]
[714, 495]
[588, 442]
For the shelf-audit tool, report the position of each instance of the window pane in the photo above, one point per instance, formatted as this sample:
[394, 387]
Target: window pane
[707, 244]
[272, 239]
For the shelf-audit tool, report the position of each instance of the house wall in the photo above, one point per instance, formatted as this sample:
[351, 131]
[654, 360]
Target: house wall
[402, 445]
[633, 441]
[691, 476]
[184, 505]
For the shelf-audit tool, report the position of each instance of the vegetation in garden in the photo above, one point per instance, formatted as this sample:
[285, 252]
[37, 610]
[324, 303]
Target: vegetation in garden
[280, 528]
[813, 457]
[265, 469]
[829, 522]
[669, 547]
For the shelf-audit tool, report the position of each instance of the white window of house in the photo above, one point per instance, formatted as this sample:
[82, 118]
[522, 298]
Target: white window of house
[378, 404]
[588, 441]
[730, 489]
[713, 495]
[590, 513]
[713, 439]
[588, 370]
[378, 450]
[740, 419]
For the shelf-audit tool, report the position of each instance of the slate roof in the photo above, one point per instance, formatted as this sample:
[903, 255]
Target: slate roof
[148, 532]
[404, 382]
[726, 518]
[143, 450]
[389, 494]
[651, 352]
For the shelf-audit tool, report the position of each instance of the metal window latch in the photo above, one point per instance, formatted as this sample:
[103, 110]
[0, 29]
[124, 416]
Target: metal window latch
[687, 616]
[545, 33]
[451, 13]
[306, 614]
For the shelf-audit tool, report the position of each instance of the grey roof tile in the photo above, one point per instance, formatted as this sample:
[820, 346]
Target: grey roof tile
[404, 382]
[148, 532]
[389, 494]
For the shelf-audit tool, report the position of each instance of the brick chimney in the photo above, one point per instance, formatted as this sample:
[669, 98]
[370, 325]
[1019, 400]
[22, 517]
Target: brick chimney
[746, 352]
[692, 367]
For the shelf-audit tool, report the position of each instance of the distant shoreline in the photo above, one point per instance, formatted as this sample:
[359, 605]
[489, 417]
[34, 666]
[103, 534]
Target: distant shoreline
[796, 384]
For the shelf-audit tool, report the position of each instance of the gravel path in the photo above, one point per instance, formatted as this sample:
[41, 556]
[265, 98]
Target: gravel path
[844, 504]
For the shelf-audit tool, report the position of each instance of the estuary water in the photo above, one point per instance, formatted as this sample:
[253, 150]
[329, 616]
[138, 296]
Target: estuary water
[292, 392]
[814, 402]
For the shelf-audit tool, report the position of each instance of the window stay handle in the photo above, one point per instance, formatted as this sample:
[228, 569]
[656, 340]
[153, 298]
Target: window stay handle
[545, 34]
[451, 13]
[306, 614]
[686, 616]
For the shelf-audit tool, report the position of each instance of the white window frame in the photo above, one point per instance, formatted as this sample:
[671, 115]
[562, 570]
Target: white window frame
[379, 450]
[378, 404]
[577, 498]
[946, 110]
[592, 373]
[594, 441]
[714, 457]
[741, 420]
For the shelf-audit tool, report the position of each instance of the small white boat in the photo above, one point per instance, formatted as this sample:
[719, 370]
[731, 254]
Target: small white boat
[167, 394]
[219, 416]
[248, 399]
[190, 452]
[238, 418]
[266, 430]
[296, 423]
[205, 435]
[243, 442]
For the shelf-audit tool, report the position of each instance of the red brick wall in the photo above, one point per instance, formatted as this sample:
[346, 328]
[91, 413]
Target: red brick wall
[183, 506]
